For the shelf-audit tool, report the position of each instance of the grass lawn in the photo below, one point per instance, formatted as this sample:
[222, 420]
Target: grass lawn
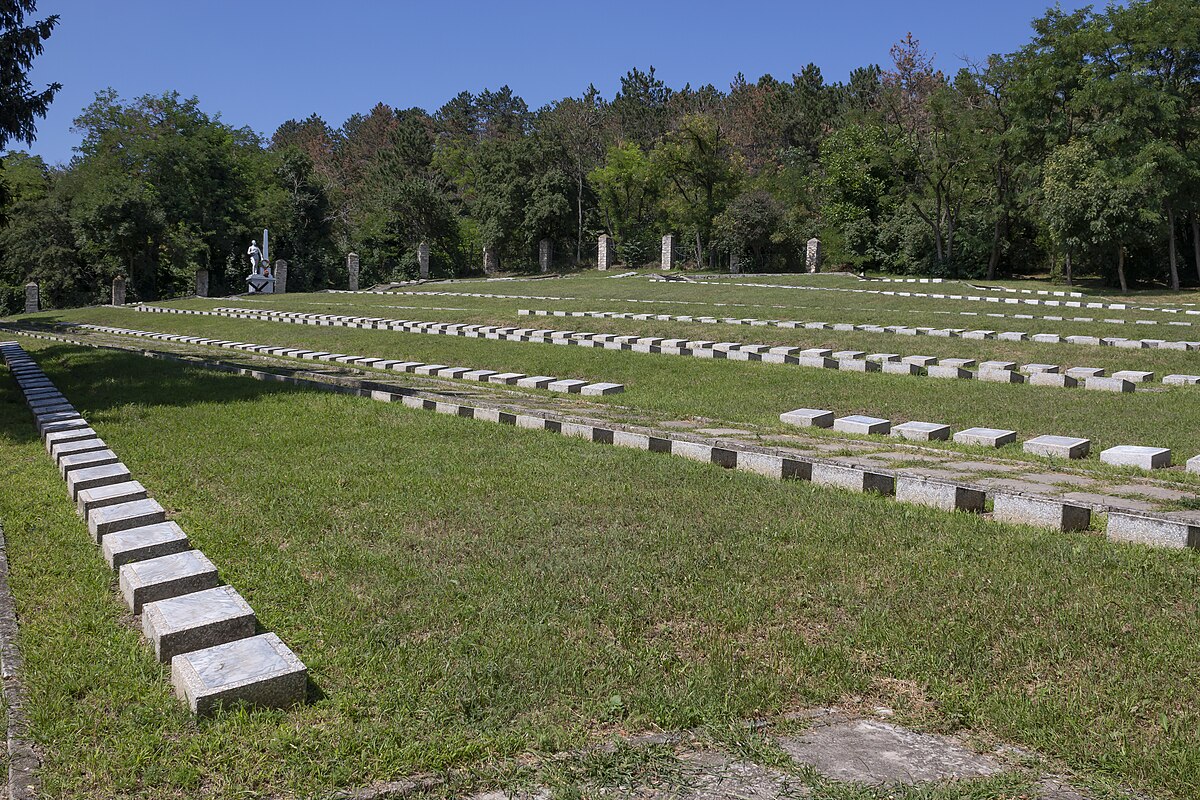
[464, 593]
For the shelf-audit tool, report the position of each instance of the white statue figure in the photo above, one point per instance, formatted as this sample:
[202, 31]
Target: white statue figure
[255, 255]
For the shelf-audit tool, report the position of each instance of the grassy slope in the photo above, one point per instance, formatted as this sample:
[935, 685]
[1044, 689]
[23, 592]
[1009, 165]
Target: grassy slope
[464, 591]
[678, 387]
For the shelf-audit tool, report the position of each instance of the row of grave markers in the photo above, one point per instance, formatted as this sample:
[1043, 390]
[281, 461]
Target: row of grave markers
[547, 382]
[1008, 506]
[206, 631]
[823, 358]
[1066, 447]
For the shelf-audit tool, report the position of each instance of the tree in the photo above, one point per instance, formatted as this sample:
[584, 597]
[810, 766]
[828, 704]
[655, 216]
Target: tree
[20, 44]
[628, 188]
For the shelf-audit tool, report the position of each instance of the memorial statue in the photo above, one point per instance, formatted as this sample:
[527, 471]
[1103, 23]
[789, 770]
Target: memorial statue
[255, 256]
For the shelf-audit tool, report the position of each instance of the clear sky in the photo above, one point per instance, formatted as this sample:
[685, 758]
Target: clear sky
[261, 62]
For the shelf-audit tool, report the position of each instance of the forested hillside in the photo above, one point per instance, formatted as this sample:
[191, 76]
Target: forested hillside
[1077, 154]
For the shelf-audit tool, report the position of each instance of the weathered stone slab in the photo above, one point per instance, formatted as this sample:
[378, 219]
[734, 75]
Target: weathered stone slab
[259, 670]
[1058, 446]
[1134, 375]
[63, 449]
[535, 381]
[106, 520]
[508, 378]
[964, 363]
[695, 451]
[922, 431]
[938, 494]
[855, 478]
[91, 477]
[1001, 365]
[1101, 384]
[944, 371]
[999, 375]
[808, 418]
[1126, 455]
[857, 365]
[882, 358]
[1053, 379]
[567, 386]
[1040, 512]
[1033, 369]
[987, 437]
[1193, 464]
[1153, 531]
[858, 423]
[110, 495]
[96, 458]
[147, 541]
[919, 361]
[597, 389]
[878, 753]
[1181, 380]
[197, 621]
[166, 576]
[773, 466]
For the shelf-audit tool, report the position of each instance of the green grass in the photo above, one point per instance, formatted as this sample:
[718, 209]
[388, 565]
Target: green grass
[465, 593]
[674, 387]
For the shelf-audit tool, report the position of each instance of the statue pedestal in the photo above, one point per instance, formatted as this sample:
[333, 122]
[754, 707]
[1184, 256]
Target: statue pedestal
[259, 284]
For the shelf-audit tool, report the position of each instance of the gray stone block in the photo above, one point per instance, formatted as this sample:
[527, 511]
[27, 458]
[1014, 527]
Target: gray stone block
[597, 389]
[1003, 365]
[566, 386]
[692, 450]
[856, 365]
[1053, 379]
[93, 477]
[900, 368]
[1134, 375]
[1058, 446]
[123, 516]
[987, 437]
[921, 431]
[854, 478]
[808, 418]
[535, 381]
[1152, 531]
[1108, 384]
[510, 378]
[943, 371]
[1039, 511]
[1193, 464]
[108, 496]
[197, 621]
[147, 541]
[957, 362]
[919, 361]
[883, 358]
[938, 494]
[96, 458]
[1181, 380]
[63, 449]
[166, 576]
[999, 376]
[857, 423]
[773, 466]
[259, 671]
[1033, 369]
[1126, 455]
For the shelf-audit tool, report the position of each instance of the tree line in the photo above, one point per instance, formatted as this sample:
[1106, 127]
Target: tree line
[1078, 154]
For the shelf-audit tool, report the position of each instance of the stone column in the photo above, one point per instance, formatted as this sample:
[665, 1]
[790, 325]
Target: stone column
[668, 251]
[812, 257]
[491, 261]
[280, 276]
[201, 283]
[423, 260]
[545, 254]
[735, 263]
[31, 298]
[606, 253]
[118, 292]
[352, 270]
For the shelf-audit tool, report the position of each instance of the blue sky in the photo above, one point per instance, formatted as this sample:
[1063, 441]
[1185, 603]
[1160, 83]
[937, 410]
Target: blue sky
[261, 62]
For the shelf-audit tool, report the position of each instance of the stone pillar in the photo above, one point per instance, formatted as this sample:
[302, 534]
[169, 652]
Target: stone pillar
[735, 263]
[491, 261]
[606, 254]
[668, 251]
[545, 254]
[812, 257]
[201, 283]
[423, 260]
[280, 276]
[118, 292]
[352, 270]
[31, 298]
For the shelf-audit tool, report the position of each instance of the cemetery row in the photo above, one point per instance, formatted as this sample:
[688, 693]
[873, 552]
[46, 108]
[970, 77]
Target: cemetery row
[205, 630]
[1008, 505]
[825, 358]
